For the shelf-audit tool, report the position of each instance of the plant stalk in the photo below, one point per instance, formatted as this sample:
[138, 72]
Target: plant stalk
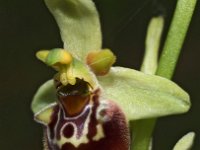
[142, 130]
[175, 38]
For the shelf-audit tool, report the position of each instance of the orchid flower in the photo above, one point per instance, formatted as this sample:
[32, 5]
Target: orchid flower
[89, 103]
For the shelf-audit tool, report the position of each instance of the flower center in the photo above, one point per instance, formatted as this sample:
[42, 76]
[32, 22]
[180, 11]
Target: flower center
[73, 98]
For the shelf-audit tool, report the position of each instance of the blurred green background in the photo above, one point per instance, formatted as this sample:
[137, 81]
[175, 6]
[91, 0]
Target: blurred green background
[26, 26]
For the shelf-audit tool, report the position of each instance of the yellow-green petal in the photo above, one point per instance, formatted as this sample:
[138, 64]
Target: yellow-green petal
[58, 56]
[100, 62]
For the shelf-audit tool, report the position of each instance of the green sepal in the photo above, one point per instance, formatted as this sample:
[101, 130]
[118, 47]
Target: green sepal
[143, 96]
[186, 142]
[79, 25]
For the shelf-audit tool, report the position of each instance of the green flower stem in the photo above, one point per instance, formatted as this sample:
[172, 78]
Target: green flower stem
[175, 38]
[142, 134]
[143, 129]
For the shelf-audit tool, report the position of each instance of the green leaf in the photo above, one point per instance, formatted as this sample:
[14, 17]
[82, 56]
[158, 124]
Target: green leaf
[143, 96]
[186, 142]
[79, 25]
[152, 45]
[46, 94]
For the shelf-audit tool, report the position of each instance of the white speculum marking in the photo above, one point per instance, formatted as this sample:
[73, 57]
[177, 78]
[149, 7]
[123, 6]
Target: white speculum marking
[74, 139]
[100, 133]
[101, 119]
[102, 107]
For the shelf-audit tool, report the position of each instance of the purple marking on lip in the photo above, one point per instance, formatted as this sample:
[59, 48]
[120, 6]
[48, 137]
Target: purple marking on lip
[116, 133]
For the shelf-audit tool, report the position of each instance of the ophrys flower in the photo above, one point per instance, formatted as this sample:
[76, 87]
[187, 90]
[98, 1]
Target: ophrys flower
[89, 103]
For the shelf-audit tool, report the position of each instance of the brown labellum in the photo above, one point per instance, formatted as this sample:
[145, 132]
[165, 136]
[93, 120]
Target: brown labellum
[83, 120]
